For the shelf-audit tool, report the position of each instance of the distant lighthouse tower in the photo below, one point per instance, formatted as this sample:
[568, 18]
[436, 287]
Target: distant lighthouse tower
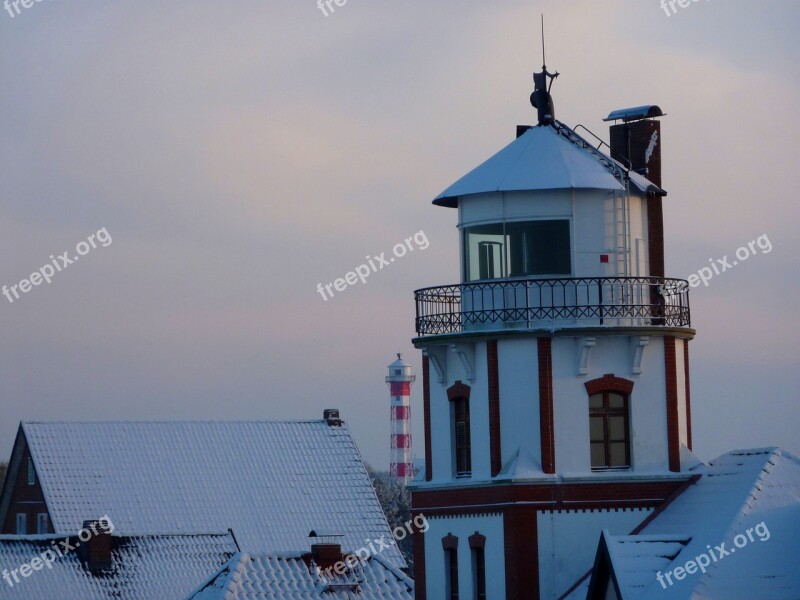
[401, 469]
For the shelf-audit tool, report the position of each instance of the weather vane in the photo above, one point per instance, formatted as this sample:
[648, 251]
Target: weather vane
[541, 99]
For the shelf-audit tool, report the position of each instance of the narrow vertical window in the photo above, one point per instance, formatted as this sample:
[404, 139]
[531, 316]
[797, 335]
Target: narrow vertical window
[31, 472]
[463, 450]
[42, 523]
[22, 524]
[451, 556]
[479, 568]
[609, 430]
[450, 547]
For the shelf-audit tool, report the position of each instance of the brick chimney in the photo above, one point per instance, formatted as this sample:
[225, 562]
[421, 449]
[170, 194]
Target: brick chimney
[636, 142]
[95, 550]
[326, 550]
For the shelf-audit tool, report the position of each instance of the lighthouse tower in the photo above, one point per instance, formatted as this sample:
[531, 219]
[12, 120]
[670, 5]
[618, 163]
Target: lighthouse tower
[401, 467]
[556, 372]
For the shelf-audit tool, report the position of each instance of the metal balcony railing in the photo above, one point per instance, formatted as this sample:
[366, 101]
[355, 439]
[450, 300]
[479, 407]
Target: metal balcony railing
[553, 303]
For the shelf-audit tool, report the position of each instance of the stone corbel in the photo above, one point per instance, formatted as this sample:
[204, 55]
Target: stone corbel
[433, 358]
[640, 342]
[585, 346]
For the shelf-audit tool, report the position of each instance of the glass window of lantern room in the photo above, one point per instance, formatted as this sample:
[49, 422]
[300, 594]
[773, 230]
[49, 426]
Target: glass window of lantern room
[484, 252]
[517, 249]
[539, 248]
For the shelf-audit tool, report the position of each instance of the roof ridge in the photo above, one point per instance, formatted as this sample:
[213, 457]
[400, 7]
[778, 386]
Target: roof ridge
[614, 167]
[735, 525]
[206, 583]
[755, 491]
[397, 572]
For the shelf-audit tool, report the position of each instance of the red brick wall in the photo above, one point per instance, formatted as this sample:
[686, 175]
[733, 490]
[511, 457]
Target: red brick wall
[688, 394]
[495, 448]
[673, 433]
[546, 424]
[549, 496]
[521, 546]
[426, 410]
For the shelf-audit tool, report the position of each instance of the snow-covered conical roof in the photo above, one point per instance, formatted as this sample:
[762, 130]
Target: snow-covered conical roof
[546, 157]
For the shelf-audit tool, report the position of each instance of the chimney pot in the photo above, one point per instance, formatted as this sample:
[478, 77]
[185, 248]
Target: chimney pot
[331, 415]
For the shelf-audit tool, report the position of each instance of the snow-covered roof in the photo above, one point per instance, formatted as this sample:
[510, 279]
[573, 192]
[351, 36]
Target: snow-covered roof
[637, 559]
[248, 577]
[143, 568]
[271, 482]
[399, 363]
[756, 490]
[546, 157]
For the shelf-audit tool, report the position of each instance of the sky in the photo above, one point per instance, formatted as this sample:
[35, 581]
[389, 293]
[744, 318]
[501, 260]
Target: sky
[237, 154]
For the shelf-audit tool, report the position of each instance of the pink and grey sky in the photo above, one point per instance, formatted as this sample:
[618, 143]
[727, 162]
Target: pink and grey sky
[239, 153]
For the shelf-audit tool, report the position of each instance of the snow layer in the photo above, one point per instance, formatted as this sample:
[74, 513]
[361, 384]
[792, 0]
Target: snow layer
[271, 482]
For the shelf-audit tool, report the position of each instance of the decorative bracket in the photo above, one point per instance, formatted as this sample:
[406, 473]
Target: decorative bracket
[639, 344]
[433, 358]
[585, 346]
[466, 361]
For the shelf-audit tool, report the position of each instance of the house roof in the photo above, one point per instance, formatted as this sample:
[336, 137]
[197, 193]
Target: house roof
[756, 490]
[249, 577]
[271, 482]
[637, 559]
[143, 567]
[546, 157]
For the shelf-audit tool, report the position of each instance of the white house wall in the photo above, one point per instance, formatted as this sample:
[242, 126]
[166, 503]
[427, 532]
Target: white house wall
[683, 433]
[463, 527]
[568, 543]
[519, 398]
[611, 354]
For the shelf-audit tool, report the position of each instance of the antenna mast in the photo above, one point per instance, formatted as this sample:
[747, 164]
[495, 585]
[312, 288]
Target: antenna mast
[544, 61]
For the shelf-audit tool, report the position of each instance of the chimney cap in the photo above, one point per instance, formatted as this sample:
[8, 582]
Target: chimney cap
[636, 113]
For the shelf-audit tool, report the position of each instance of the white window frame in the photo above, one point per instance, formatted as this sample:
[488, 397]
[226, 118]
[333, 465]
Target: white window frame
[42, 523]
[31, 472]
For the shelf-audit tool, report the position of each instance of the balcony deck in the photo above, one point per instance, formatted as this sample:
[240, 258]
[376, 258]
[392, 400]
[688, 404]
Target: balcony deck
[528, 303]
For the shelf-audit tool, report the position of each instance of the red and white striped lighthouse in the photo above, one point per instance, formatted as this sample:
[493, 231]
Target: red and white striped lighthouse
[401, 467]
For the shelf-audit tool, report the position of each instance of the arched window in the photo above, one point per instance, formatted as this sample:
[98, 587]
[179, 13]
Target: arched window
[609, 422]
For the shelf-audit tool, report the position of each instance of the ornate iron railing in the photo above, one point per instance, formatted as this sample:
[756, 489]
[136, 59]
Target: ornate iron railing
[564, 302]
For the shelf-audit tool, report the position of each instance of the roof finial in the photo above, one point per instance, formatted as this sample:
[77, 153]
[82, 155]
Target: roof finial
[541, 98]
[544, 60]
